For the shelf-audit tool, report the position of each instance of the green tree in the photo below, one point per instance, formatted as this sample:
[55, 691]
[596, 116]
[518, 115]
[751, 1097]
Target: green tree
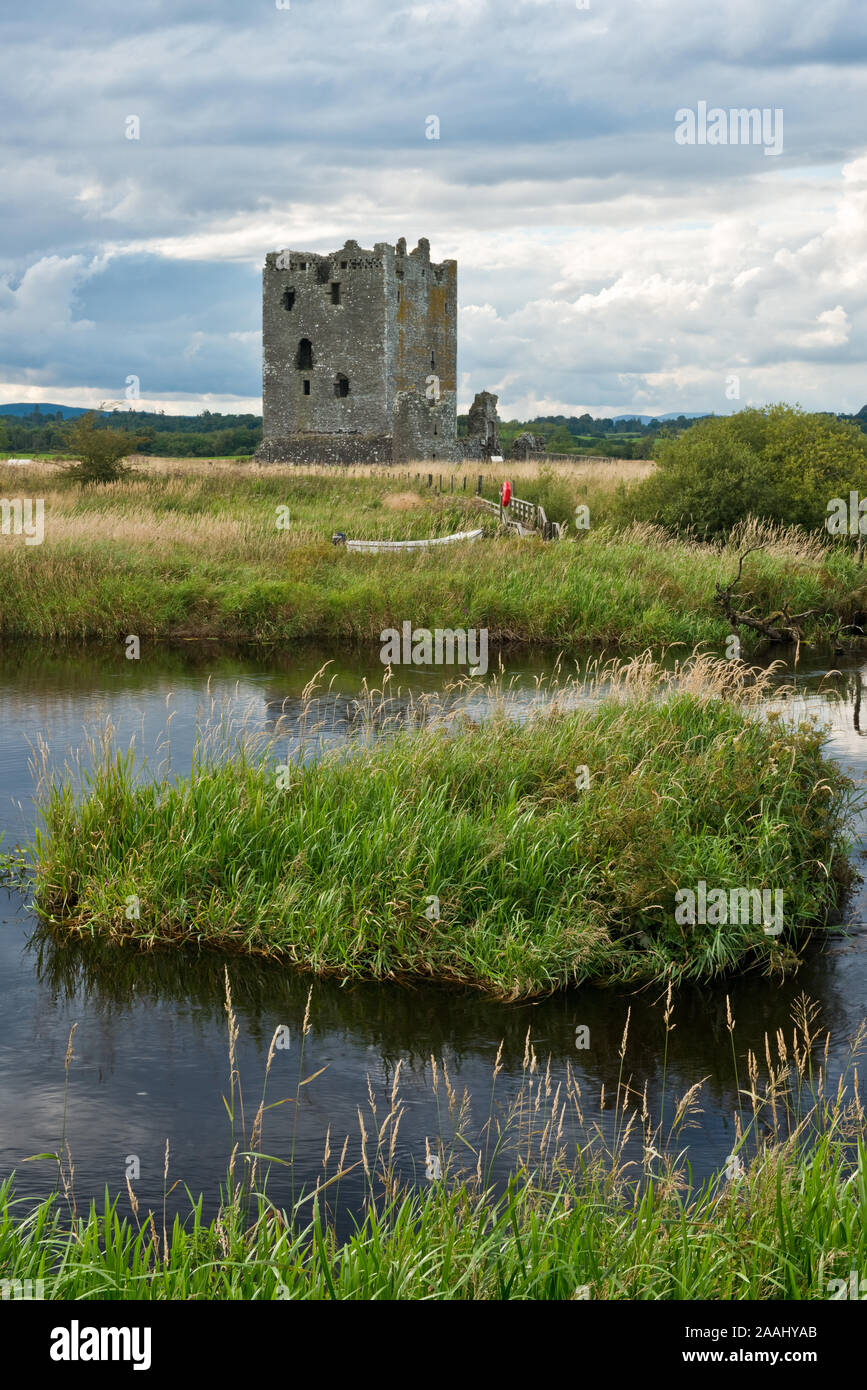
[779, 463]
[99, 451]
[561, 441]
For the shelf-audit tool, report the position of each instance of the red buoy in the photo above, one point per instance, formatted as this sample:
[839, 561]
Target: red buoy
[506, 494]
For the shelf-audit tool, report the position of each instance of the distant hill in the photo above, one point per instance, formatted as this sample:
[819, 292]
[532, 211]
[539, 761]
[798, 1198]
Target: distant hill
[24, 408]
[672, 415]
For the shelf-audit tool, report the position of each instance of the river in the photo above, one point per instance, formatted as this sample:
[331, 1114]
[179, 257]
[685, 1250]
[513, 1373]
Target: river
[150, 1053]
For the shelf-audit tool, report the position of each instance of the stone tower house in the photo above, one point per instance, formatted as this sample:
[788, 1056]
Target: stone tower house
[359, 355]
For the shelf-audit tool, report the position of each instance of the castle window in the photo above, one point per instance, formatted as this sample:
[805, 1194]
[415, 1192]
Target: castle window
[432, 359]
[343, 265]
[436, 431]
[288, 299]
[302, 265]
[307, 388]
[304, 360]
[341, 385]
[335, 291]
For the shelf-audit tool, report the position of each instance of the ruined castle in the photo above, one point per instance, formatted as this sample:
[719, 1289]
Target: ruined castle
[359, 352]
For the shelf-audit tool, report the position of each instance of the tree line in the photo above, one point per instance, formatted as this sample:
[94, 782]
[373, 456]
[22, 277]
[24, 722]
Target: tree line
[214, 435]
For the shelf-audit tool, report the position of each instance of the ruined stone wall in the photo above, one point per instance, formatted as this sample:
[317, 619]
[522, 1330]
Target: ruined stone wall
[347, 339]
[424, 429]
[423, 375]
[388, 329]
[327, 448]
[483, 422]
[425, 323]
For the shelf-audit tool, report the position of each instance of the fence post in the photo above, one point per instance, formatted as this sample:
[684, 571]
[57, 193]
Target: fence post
[430, 479]
[479, 486]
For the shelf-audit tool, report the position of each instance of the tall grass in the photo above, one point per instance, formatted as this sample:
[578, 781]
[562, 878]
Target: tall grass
[199, 554]
[469, 853]
[585, 1211]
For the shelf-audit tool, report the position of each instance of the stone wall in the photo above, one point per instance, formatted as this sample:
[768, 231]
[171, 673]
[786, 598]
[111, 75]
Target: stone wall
[346, 330]
[483, 427]
[354, 344]
[326, 448]
[424, 428]
[425, 329]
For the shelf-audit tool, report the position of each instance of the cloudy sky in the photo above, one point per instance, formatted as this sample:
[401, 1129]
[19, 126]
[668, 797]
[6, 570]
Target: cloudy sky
[603, 263]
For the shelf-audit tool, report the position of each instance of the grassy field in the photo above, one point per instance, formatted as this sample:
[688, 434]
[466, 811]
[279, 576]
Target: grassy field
[587, 1214]
[194, 550]
[539, 883]
[475, 855]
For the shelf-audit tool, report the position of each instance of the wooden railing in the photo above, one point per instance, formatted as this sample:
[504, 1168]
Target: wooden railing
[527, 518]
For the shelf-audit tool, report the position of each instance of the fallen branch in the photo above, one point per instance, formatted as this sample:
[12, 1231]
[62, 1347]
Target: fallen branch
[792, 628]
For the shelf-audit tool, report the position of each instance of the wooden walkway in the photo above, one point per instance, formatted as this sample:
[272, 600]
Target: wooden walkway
[526, 518]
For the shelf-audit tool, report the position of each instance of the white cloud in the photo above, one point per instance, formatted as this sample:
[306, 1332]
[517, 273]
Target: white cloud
[12, 392]
[601, 265]
[43, 300]
[833, 332]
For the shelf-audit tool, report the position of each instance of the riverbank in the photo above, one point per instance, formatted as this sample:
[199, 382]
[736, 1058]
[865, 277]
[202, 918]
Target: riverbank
[512, 858]
[206, 552]
[784, 1231]
[581, 1212]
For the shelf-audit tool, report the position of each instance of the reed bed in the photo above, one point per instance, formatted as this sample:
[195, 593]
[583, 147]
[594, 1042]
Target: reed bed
[197, 553]
[586, 1210]
[333, 864]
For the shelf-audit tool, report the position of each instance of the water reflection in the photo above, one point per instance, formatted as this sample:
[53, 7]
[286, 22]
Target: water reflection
[150, 1047]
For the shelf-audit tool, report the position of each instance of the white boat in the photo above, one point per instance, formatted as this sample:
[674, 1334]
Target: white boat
[374, 546]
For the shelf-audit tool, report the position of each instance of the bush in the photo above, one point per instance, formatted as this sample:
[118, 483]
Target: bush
[99, 451]
[779, 463]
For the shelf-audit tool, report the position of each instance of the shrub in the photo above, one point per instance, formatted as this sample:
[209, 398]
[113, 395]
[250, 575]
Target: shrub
[99, 451]
[779, 463]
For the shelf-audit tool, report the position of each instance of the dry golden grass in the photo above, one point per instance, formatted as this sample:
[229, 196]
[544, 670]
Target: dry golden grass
[133, 513]
[402, 501]
[773, 538]
[600, 472]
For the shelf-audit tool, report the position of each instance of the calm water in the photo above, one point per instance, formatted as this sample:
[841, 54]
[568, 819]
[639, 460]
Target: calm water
[150, 1057]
